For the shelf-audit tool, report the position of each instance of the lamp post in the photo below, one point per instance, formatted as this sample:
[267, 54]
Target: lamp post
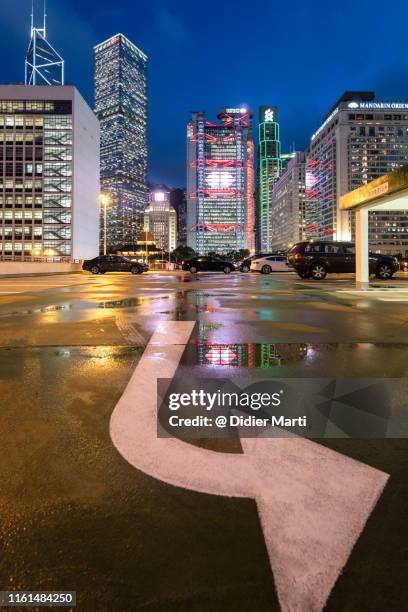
[105, 201]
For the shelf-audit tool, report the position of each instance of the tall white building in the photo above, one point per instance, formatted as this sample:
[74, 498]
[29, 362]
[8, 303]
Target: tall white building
[160, 220]
[359, 140]
[49, 174]
[288, 204]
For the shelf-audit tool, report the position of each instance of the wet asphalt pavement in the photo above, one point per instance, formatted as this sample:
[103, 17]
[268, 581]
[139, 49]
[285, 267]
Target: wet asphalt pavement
[74, 515]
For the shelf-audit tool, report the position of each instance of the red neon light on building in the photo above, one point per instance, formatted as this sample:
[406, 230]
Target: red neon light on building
[250, 204]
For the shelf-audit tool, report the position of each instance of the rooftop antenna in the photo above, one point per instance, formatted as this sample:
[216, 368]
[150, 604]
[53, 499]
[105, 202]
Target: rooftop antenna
[43, 65]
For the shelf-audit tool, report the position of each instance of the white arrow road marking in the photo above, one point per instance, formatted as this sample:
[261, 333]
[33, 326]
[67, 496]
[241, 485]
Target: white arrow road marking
[313, 502]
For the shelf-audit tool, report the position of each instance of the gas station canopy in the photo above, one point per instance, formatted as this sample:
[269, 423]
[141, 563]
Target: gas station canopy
[387, 193]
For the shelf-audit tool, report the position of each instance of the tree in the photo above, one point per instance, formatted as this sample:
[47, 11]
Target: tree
[182, 253]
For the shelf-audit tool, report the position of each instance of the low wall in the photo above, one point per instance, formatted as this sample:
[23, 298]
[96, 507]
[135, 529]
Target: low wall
[27, 268]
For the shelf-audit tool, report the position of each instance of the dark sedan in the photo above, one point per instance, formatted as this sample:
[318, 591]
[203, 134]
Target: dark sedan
[208, 264]
[112, 263]
[317, 258]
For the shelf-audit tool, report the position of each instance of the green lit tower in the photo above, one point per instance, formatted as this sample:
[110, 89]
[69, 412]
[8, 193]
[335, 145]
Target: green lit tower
[270, 169]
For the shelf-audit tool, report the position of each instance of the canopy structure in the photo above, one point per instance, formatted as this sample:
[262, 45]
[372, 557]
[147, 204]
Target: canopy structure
[387, 193]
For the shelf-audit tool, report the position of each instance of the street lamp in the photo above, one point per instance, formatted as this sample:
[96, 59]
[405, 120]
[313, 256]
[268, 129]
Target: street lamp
[105, 199]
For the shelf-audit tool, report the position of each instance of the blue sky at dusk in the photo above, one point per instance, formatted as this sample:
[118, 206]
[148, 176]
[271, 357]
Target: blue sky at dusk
[297, 55]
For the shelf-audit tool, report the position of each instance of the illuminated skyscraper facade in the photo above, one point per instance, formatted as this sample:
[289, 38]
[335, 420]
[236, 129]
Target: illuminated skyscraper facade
[359, 140]
[269, 171]
[120, 91]
[220, 182]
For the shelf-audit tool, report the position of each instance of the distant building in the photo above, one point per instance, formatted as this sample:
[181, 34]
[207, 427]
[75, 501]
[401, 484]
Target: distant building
[288, 205]
[161, 221]
[286, 157]
[359, 140]
[178, 201]
[49, 173]
[120, 91]
[269, 171]
[220, 182]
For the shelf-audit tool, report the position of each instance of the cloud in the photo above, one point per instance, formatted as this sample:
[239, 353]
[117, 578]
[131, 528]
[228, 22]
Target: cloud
[171, 28]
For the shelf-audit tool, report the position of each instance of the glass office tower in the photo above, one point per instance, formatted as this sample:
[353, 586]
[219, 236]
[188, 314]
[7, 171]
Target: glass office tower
[220, 182]
[120, 90]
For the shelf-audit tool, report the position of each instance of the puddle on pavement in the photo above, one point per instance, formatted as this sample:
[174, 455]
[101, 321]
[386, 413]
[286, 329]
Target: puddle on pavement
[124, 303]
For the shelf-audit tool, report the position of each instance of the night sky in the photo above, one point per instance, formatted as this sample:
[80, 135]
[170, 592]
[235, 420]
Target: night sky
[297, 55]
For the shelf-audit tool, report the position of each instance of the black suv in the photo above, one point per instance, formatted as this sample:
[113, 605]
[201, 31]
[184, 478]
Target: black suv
[208, 264]
[112, 263]
[315, 259]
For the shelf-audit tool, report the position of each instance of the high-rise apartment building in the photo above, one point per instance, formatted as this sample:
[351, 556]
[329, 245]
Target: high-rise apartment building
[220, 182]
[269, 171]
[359, 140]
[49, 174]
[288, 204]
[120, 91]
[160, 220]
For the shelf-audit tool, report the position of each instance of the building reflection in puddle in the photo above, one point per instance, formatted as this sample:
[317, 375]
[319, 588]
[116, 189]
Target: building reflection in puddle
[250, 355]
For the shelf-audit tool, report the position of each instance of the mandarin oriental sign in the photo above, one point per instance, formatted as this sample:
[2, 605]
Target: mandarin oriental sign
[378, 105]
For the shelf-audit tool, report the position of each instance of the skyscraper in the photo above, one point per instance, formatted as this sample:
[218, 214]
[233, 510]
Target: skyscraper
[359, 140]
[220, 182]
[120, 90]
[43, 65]
[269, 171]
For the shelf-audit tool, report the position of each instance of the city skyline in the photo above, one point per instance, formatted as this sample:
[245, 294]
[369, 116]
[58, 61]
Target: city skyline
[170, 40]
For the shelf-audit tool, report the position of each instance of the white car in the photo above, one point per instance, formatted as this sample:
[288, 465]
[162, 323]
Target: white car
[270, 263]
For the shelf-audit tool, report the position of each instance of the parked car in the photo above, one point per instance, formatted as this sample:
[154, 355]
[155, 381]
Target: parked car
[112, 263]
[208, 264]
[315, 259]
[245, 264]
[269, 263]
